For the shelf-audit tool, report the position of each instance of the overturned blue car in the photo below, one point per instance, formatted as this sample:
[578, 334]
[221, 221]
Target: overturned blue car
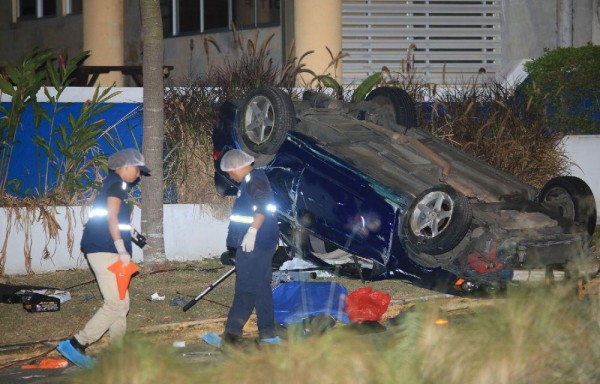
[359, 188]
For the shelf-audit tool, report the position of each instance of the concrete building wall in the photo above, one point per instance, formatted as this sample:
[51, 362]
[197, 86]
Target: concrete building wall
[188, 53]
[585, 21]
[132, 31]
[530, 26]
[16, 39]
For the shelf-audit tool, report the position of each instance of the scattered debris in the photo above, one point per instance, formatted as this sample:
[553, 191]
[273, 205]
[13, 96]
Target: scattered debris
[366, 304]
[36, 302]
[587, 288]
[14, 294]
[298, 269]
[178, 302]
[48, 363]
[156, 297]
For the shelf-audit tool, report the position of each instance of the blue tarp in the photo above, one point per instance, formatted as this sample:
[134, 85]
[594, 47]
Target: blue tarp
[296, 301]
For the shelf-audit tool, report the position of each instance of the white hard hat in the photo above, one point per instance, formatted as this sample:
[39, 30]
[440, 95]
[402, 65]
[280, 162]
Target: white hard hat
[129, 157]
[235, 159]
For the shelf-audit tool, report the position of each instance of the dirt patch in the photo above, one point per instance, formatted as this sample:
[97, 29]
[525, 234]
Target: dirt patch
[180, 282]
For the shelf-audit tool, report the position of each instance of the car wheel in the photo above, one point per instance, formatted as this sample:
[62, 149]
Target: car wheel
[571, 198]
[397, 102]
[267, 115]
[436, 222]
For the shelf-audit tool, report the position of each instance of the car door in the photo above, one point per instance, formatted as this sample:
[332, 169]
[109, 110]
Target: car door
[339, 206]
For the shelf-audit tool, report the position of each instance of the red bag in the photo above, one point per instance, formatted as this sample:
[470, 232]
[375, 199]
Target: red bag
[365, 304]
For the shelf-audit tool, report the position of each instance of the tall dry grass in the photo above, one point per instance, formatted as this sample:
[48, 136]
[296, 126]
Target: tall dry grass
[191, 111]
[189, 168]
[534, 335]
[489, 122]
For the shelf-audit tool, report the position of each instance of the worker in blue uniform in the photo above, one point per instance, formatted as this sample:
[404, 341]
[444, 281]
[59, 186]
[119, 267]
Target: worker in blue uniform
[106, 239]
[254, 233]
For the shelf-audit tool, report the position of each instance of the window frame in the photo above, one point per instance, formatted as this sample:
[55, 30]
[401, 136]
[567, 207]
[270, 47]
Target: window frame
[174, 29]
[39, 10]
[68, 8]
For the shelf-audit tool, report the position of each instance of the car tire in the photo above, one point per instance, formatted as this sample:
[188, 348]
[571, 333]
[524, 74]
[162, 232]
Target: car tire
[267, 115]
[571, 198]
[399, 102]
[436, 223]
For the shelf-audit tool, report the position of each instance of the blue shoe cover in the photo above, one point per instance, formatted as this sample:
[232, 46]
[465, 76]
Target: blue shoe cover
[213, 339]
[272, 340]
[74, 356]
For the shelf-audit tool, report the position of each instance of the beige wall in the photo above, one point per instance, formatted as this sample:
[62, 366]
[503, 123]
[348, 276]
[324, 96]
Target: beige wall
[318, 26]
[104, 37]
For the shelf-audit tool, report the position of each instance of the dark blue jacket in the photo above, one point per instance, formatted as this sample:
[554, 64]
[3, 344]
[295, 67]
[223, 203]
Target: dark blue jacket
[96, 235]
[254, 196]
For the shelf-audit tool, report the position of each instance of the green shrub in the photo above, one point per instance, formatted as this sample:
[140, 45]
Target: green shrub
[71, 165]
[564, 84]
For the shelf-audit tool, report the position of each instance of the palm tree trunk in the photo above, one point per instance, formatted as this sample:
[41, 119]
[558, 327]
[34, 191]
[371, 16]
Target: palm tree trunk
[152, 187]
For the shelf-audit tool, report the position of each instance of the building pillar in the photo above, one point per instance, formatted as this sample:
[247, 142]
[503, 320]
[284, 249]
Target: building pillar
[565, 23]
[596, 23]
[318, 26]
[103, 36]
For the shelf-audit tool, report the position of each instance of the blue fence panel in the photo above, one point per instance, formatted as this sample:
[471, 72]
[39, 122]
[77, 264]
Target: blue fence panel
[28, 166]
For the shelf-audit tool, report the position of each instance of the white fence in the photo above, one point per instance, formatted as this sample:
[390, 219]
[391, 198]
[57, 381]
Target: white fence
[584, 153]
[190, 233]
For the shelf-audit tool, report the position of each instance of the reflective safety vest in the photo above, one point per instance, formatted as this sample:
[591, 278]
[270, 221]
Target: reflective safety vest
[96, 234]
[246, 206]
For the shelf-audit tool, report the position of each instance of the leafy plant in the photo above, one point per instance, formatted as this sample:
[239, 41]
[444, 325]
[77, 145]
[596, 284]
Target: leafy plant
[406, 78]
[27, 76]
[70, 150]
[359, 93]
[77, 160]
[250, 66]
[563, 84]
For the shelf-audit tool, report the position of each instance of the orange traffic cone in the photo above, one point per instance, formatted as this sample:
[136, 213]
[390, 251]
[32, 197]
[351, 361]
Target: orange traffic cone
[123, 274]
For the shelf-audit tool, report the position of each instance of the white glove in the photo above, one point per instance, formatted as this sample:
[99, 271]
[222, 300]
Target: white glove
[124, 256]
[249, 240]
